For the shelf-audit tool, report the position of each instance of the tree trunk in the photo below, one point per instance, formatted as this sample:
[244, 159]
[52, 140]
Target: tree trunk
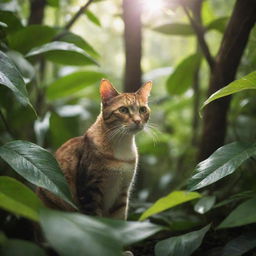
[132, 38]
[227, 61]
[196, 9]
[36, 11]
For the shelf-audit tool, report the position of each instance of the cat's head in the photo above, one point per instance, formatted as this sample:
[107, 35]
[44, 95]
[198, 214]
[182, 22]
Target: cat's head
[125, 112]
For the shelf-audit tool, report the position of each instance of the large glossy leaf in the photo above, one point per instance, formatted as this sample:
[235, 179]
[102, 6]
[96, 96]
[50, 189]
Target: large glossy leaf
[72, 83]
[11, 78]
[22, 39]
[244, 214]
[15, 247]
[178, 29]
[242, 196]
[204, 204]
[78, 41]
[167, 202]
[218, 24]
[182, 77]
[63, 53]
[131, 232]
[183, 245]
[224, 161]
[240, 245]
[37, 166]
[26, 69]
[84, 235]
[245, 83]
[19, 199]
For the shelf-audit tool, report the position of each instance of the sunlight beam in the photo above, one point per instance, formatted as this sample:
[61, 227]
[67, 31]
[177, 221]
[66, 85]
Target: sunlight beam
[153, 6]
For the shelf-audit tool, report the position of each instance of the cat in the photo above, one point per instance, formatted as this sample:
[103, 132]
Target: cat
[100, 166]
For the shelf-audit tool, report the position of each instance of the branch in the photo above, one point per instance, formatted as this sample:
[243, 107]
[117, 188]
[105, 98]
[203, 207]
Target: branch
[200, 36]
[73, 19]
[77, 15]
[229, 56]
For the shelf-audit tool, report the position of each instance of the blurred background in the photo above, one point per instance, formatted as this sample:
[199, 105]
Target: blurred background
[171, 42]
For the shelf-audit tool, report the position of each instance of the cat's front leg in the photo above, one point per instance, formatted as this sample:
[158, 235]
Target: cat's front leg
[89, 194]
[120, 208]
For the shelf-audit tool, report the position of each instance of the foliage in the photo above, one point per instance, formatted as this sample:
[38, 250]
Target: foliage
[171, 200]
[49, 78]
[221, 163]
[181, 245]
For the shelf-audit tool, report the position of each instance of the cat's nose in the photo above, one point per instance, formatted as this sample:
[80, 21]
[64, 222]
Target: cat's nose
[137, 121]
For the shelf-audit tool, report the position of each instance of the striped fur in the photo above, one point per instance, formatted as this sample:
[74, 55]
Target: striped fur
[100, 166]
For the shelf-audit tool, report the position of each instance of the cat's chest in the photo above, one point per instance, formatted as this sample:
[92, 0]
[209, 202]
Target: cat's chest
[118, 180]
[125, 151]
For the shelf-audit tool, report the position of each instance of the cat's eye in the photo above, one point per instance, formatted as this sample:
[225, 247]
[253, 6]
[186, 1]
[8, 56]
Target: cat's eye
[143, 110]
[124, 110]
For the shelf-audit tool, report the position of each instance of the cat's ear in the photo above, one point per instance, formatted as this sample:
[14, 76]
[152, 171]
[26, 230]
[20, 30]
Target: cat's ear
[107, 90]
[144, 90]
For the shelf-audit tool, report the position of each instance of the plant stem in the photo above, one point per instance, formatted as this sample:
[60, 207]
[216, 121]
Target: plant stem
[200, 36]
[73, 19]
[77, 15]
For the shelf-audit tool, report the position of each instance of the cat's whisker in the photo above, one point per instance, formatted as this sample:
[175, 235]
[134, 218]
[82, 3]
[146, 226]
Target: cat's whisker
[150, 131]
[114, 134]
[152, 124]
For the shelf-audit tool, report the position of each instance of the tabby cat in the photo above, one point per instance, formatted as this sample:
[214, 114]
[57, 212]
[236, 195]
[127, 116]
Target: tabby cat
[100, 165]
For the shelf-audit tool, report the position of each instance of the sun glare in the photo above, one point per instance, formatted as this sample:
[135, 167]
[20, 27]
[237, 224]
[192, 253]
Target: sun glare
[153, 6]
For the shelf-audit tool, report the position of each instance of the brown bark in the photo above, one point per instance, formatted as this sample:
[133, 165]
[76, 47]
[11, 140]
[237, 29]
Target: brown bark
[227, 61]
[132, 38]
[196, 10]
[36, 11]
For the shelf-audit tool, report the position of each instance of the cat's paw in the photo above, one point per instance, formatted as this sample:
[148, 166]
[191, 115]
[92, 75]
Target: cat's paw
[127, 253]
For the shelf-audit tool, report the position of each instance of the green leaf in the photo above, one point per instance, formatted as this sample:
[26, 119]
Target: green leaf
[72, 83]
[63, 53]
[21, 40]
[204, 204]
[167, 202]
[224, 161]
[11, 78]
[177, 29]
[15, 247]
[182, 77]
[78, 41]
[183, 245]
[90, 236]
[54, 3]
[37, 166]
[240, 245]
[19, 199]
[3, 238]
[244, 214]
[93, 18]
[26, 69]
[218, 24]
[62, 129]
[130, 232]
[236, 198]
[4, 25]
[12, 21]
[245, 83]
